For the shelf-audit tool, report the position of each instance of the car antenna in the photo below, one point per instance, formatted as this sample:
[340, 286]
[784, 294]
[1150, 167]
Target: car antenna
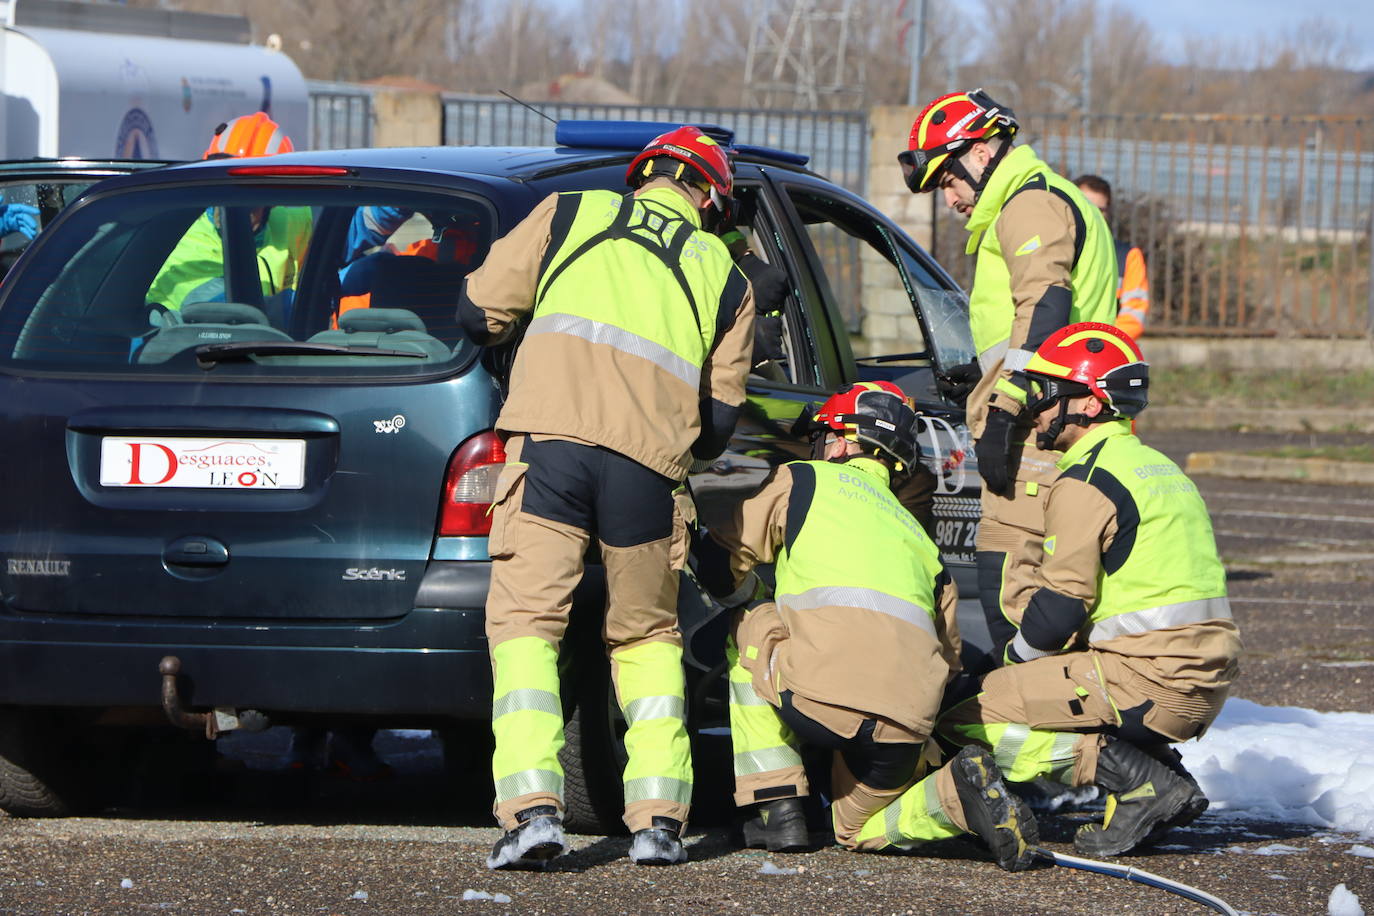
[528, 105]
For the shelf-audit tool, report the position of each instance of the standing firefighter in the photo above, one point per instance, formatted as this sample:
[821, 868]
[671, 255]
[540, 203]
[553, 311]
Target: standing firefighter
[632, 365]
[1132, 281]
[855, 652]
[1044, 260]
[1132, 585]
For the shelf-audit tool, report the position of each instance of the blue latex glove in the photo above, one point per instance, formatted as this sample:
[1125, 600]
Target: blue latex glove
[371, 227]
[19, 218]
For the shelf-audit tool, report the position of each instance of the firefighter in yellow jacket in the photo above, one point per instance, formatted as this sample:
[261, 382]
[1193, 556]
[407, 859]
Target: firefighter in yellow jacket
[1044, 260]
[633, 364]
[854, 652]
[1127, 643]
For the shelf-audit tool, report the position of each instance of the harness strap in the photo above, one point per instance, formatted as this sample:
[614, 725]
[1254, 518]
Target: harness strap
[620, 229]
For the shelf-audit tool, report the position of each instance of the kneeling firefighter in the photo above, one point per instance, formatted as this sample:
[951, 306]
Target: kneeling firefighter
[1127, 643]
[855, 651]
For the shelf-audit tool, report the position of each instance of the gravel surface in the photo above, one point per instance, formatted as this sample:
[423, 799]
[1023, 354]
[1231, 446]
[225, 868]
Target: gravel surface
[254, 837]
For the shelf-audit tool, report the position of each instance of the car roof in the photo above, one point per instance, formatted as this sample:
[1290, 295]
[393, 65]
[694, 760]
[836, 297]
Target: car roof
[581, 145]
[76, 165]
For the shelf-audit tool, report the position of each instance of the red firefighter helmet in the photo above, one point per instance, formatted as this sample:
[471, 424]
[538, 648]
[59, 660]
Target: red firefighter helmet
[1090, 358]
[250, 135]
[876, 414]
[693, 150]
[945, 128]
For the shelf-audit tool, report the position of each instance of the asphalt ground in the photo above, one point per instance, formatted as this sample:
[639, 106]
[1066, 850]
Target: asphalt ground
[255, 837]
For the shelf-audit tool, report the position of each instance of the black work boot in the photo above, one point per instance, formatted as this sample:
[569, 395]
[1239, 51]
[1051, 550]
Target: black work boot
[660, 844]
[778, 826]
[1143, 797]
[1003, 821]
[537, 838]
[1198, 803]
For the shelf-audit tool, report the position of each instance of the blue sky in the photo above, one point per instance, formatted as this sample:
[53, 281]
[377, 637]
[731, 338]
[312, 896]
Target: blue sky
[1228, 20]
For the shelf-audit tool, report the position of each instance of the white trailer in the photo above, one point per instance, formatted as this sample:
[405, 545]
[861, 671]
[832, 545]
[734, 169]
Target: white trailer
[101, 80]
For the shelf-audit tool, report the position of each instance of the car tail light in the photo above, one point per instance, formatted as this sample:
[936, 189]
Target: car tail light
[470, 486]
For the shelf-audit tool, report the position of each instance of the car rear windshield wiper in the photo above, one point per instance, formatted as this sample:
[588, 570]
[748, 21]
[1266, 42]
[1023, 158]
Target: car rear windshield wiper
[207, 355]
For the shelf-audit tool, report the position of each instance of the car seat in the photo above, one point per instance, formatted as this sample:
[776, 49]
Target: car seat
[388, 329]
[207, 323]
[416, 284]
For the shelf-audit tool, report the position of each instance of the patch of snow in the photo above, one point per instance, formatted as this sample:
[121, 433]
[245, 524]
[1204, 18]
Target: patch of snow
[1273, 849]
[1363, 851]
[770, 869]
[359, 895]
[471, 894]
[126, 883]
[1278, 878]
[862, 873]
[1288, 764]
[1343, 903]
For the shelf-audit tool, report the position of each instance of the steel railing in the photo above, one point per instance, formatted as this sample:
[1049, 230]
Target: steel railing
[1249, 225]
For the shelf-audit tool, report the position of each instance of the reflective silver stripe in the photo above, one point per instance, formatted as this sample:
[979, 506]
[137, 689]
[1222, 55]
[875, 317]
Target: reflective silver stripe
[868, 598]
[1025, 651]
[528, 782]
[527, 698]
[1161, 618]
[992, 355]
[747, 763]
[1062, 757]
[1129, 295]
[658, 787]
[742, 693]
[1009, 746]
[1016, 360]
[646, 708]
[599, 332]
[934, 809]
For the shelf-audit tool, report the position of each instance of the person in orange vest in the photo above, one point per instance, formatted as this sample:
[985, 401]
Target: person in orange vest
[1133, 286]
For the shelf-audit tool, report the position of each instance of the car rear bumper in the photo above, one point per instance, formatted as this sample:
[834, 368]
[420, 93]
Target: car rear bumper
[430, 662]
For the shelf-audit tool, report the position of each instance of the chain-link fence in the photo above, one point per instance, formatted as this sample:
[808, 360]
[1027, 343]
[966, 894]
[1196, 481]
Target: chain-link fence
[837, 142]
[1249, 225]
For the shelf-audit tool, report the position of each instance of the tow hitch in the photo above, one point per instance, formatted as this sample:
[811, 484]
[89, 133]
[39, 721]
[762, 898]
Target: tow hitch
[219, 720]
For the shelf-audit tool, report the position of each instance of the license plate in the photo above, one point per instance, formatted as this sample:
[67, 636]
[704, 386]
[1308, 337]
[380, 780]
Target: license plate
[202, 464]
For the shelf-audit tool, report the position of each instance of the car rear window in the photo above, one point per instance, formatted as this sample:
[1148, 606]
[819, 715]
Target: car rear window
[264, 279]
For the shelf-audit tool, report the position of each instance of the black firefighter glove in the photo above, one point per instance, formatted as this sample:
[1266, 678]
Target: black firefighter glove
[993, 449]
[958, 381]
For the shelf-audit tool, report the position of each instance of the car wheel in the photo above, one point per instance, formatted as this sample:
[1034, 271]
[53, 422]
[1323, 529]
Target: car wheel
[42, 773]
[593, 755]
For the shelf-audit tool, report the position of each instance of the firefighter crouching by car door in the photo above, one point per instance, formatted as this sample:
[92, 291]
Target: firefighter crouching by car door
[1130, 568]
[632, 365]
[1044, 260]
[854, 652]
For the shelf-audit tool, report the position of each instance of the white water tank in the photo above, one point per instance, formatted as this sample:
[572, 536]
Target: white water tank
[102, 80]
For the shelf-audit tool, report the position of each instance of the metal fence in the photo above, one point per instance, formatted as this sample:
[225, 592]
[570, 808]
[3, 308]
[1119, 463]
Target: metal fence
[340, 115]
[1249, 225]
[837, 142]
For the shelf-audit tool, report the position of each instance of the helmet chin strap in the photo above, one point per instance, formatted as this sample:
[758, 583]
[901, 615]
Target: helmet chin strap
[1049, 439]
[959, 170]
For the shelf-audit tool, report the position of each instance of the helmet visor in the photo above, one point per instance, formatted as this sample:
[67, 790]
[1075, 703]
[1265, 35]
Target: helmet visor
[914, 163]
[1044, 391]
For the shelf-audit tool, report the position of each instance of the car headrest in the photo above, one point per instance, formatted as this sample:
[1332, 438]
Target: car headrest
[380, 320]
[222, 313]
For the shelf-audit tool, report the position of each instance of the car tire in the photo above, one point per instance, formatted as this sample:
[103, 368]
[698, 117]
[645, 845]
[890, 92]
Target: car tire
[40, 774]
